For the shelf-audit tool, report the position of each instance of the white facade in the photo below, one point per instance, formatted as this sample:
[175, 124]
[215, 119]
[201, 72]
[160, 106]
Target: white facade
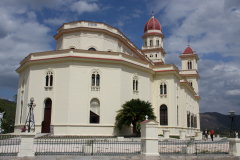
[79, 81]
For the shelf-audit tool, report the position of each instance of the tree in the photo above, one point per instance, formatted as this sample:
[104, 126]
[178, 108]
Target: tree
[134, 112]
[9, 108]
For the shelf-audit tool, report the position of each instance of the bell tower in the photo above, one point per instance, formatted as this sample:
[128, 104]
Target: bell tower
[189, 67]
[153, 41]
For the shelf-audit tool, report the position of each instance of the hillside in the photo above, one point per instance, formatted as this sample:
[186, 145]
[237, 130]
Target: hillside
[214, 120]
[9, 108]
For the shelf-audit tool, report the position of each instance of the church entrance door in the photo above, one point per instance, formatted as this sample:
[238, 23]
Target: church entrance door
[47, 116]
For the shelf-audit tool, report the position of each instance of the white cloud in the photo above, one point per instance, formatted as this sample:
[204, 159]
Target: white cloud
[55, 21]
[233, 92]
[84, 6]
[209, 24]
[213, 29]
[20, 34]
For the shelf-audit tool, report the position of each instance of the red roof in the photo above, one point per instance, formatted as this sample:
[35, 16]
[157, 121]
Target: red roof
[188, 50]
[152, 24]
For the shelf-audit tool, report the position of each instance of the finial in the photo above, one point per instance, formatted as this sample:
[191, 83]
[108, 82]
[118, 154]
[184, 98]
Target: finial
[146, 117]
[152, 14]
[188, 42]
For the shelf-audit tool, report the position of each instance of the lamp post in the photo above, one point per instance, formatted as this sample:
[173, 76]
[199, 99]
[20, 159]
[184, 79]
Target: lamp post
[31, 105]
[233, 123]
[1, 117]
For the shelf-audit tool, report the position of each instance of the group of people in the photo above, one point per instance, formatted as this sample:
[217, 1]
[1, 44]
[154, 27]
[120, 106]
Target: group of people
[211, 132]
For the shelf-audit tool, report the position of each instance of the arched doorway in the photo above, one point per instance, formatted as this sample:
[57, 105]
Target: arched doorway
[47, 116]
[163, 115]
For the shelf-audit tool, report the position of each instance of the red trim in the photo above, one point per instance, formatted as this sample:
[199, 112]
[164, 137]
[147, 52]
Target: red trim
[152, 33]
[166, 71]
[86, 58]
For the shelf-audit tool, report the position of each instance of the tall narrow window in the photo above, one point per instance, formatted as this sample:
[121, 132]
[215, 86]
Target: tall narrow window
[157, 42]
[163, 115]
[135, 84]
[146, 43]
[49, 79]
[195, 121]
[93, 79]
[94, 111]
[188, 119]
[177, 115]
[21, 112]
[189, 65]
[98, 80]
[151, 42]
[163, 88]
[192, 121]
[156, 55]
[22, 98]
[95, 84]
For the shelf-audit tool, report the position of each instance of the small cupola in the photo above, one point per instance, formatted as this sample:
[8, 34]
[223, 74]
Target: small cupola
[188, 50]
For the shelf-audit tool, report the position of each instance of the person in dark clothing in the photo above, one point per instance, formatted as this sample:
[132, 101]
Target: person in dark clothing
[23, 129]
[211, 133]
[206, 134]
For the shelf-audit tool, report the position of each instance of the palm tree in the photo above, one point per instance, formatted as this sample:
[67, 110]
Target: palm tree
[134, 112]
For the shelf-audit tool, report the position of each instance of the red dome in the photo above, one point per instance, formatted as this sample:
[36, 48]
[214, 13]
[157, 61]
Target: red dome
[152, 24]
[188, 50]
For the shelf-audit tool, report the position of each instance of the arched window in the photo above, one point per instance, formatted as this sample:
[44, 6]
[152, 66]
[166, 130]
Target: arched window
[195, 121]
[94, 111]
[163, 88]
[188, 119]
[92, 49]
[189, 65]
[49, 79]
[190, 82]
[135, 84]
[192, 121]
[151, 42]
[95, 81]
[156, 55]
[146, 43]
[163, 115]
[157, 43]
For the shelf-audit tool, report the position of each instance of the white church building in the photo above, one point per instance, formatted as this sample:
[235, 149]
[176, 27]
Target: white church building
[94, 70]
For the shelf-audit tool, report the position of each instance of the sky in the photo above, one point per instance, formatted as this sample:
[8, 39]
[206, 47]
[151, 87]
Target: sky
[212, 27]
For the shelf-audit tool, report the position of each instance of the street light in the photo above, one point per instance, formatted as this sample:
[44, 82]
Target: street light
[30, 118]
[233, 123]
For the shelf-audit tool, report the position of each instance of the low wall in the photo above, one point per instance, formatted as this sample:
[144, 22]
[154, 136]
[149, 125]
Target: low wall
[123, 158]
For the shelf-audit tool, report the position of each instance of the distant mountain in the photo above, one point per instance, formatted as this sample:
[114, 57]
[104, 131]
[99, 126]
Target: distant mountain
[214, 120]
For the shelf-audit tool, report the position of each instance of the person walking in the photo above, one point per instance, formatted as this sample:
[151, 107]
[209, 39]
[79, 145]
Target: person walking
[206, 134]
[212, 132]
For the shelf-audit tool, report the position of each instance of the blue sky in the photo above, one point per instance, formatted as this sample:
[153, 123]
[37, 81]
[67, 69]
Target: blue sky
[28, 26]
